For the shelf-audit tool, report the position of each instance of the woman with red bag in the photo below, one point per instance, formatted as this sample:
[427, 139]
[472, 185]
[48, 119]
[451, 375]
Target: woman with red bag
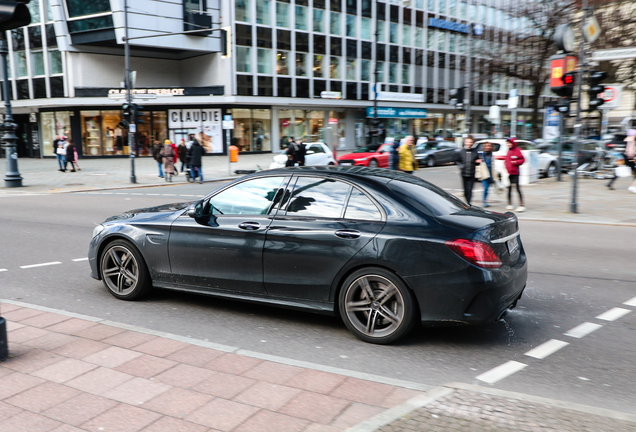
[514, 159]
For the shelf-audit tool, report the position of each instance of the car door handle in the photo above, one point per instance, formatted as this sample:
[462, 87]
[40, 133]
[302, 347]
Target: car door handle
[348, 234]
[249, 226]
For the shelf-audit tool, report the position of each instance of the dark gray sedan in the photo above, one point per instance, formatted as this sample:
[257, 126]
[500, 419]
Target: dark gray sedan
[382, 249]
[433, 153]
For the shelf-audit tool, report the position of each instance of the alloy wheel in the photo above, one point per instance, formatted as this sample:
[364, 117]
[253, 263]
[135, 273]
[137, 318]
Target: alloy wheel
[120, 270]
[374, 306]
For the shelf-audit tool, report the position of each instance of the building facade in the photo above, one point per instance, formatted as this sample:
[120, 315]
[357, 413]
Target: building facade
[301, 68]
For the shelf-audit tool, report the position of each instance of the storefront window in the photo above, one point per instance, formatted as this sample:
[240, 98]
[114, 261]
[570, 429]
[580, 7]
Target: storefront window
[159, 126]
[92, 135]
[282, 63]
[262, 134]
[285, 124]
[242, 128]
[54, 123]
[252, 129]
[111, 120]
[316, 125]
[300, 125]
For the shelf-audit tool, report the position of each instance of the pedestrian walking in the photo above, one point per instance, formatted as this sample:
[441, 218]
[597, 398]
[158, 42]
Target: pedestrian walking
[156, 154]
[76, 158]
[394, 155]
[59, 155]
[629, 155]
[301, 150]
[292, 148]
[169, 156]
[70, 154]
[485, 172]
[182, 151]
[514, 159]
[467, 161]
[195, 154]
[407, 163]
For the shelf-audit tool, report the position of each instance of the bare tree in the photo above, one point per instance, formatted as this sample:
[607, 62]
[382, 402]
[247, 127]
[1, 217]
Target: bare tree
[524, 54]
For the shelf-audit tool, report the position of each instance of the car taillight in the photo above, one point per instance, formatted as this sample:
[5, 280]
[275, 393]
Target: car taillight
[475, 252]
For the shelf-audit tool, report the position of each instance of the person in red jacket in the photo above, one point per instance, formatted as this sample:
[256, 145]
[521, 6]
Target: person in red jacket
[514, 159]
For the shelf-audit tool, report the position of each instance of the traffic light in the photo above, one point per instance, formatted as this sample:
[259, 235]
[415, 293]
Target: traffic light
[567, 89]
[136, 108]
[563, 106]
[457, 97]
[595, 89]
[14, 14]
[127, 110]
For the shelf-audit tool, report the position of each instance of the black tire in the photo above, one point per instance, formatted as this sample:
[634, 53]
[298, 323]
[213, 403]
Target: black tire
[430, 162]
[376, 306]
[124, 271]
[373, 163]
[551, 171]
[330, 163]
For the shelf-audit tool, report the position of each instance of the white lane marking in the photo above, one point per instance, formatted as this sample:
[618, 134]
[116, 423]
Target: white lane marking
[169, 194]
[631, 302]
[107, 193]
[80, 259]
[40, 265]
[547, 348]
[187, 195]
[136, 193]
[583, 330]
[121, 193]
[613, 314]
[153, 194]
[501, 372]
[1, 270]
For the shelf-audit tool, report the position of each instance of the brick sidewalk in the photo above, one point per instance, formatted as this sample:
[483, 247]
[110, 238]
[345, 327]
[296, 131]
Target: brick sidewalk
[67, 374]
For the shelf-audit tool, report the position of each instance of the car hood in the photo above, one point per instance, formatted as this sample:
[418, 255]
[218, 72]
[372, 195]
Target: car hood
[356, 155]
[164, 210]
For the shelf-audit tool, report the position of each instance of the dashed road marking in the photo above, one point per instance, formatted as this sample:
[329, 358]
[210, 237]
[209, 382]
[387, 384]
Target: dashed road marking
[501, 372]
[613, 314]
[3, 270]
[168, 194]
[80, 259]
[547, 348]
[583, 330]
[121, 193]
[40, 265]
[631, 302]
[153, 194]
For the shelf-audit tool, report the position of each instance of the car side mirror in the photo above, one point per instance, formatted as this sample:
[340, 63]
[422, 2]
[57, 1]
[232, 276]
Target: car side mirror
[196, 210]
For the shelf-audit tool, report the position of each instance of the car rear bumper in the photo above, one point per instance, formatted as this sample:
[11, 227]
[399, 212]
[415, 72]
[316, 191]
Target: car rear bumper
[471, 295]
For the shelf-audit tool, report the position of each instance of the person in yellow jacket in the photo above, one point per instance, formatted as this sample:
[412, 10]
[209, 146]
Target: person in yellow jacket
[406, 151]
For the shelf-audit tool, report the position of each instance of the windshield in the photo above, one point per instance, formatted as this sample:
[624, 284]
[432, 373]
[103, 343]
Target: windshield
[371, 148]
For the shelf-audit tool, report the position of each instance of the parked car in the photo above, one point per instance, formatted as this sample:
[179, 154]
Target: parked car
[316, 154]
[382, 249]
[432, 153]
[548, 163]
[372, 155]
[588, 150]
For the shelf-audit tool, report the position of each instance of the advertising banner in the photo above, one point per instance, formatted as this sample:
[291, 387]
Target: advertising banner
[205, 124]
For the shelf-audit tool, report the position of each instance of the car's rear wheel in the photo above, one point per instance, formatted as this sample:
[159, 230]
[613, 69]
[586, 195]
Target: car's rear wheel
[376, 306]
[430, 161]
[124, 271]
[373, 163]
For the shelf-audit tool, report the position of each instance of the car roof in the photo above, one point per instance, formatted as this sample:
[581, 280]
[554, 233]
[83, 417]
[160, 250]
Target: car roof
[379, 175]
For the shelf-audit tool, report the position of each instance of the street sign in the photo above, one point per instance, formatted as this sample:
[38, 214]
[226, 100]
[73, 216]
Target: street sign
[331, 95]
[133, 127]
[228, 124]
[614, 54]
[227, 117]
[494, 112]
[612, 96]
[591, 30]
[333, 121]
[513, 102]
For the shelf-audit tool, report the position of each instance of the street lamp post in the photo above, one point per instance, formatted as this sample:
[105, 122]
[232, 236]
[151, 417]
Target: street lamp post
[132, 128]
[12, 177]
[374, 137]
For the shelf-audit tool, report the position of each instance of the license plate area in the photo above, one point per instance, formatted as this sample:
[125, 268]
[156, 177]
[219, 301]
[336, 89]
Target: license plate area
[513, 245]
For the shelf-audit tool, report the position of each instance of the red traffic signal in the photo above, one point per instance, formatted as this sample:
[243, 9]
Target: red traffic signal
[569, 78]
[14, 14]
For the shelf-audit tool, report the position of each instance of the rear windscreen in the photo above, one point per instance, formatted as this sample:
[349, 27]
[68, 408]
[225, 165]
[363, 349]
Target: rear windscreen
[426, 197]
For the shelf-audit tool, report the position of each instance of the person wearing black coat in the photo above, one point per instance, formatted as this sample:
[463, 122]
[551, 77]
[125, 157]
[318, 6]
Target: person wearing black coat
[195, 155]
[467, 161]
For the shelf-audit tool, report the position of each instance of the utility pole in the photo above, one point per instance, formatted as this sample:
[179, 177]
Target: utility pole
[374, 137]
[469, 83]
[578, 125]
[132, 128]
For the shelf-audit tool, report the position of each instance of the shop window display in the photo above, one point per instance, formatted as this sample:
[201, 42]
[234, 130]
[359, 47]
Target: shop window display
[54, 123]
[252, 129]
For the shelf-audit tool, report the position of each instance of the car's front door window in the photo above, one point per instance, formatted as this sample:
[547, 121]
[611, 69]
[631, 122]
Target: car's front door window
[318, 197]
[251, 197]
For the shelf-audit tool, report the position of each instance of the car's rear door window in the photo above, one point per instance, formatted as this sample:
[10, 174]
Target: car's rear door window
[361, 207]
[318, 197]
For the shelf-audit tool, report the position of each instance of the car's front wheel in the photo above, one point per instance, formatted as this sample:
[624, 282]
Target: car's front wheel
[373, 163]
[430, 161]
[124, 271]
[376, 306]
[552, 170]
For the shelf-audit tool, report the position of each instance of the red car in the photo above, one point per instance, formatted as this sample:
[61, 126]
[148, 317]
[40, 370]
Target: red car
[372, 155]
